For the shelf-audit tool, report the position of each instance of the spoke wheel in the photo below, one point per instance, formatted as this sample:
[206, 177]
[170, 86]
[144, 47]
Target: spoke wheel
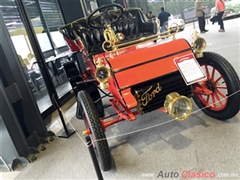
[92, 121]
[222, 80]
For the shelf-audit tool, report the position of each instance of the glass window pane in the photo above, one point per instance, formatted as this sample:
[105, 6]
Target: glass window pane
[44, 42]
[23, 48]
[58, 39]
[45, 16]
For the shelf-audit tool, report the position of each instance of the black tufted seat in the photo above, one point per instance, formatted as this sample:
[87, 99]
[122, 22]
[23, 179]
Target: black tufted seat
[132, 24]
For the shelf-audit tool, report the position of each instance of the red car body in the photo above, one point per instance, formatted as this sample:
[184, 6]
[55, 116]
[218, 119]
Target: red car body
[140, 75]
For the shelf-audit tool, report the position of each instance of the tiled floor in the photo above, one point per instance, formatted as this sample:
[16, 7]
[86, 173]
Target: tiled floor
[198, 144]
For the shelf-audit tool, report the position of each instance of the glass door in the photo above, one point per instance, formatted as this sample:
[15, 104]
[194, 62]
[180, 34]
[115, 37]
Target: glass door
[45, 18]
[25, 53]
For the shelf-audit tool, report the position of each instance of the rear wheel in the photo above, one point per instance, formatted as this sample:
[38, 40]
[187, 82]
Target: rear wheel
[92, 121]
[224, 101]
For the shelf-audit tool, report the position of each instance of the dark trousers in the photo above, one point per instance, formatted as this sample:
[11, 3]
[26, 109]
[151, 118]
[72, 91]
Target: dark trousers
[201, 23]
[220, 20]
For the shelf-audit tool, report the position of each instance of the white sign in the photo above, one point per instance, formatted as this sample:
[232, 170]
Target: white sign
[189, 69]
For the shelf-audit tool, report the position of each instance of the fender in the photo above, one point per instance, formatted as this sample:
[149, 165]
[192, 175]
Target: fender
[78, 84]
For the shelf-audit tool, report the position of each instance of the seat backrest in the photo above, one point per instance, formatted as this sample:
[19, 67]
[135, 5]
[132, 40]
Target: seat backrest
[67, 32]
[132, 24]
[142, 24]
[70, 37]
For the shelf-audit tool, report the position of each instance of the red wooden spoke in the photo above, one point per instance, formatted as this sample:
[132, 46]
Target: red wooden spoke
[208, 97]
[217, 79]
[213, 101]
[221, 87]
[213, 73]
[219, 101]
[216, 101]
[207, 72]
[221, 94]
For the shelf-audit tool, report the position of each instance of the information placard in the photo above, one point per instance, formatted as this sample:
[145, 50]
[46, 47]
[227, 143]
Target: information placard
[189, 69]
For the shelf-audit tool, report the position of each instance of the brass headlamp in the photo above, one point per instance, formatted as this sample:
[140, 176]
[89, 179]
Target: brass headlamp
[179, 107]
[102, 74]
[199, 44]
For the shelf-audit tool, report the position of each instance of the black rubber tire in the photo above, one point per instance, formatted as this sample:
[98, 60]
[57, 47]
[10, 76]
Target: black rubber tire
[92, 121]
[232, 86]
[96, 97]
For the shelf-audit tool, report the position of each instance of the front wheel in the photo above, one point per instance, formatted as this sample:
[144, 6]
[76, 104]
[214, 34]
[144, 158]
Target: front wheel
[92, 121]
[224, 101]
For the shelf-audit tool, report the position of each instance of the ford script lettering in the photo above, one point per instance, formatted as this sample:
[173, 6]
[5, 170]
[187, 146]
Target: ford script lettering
[149, 94]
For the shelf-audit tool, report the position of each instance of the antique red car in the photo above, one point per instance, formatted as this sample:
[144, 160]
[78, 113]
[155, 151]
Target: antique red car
[120, 58]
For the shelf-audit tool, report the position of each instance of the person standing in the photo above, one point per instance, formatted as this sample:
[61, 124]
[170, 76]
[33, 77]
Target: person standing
[163, 18]
[199, 13]
[150, 15]
[219, 10]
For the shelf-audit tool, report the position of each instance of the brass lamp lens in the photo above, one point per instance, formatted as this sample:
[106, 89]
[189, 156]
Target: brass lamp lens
[200, 44]
[102, 74]
[181, 108]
